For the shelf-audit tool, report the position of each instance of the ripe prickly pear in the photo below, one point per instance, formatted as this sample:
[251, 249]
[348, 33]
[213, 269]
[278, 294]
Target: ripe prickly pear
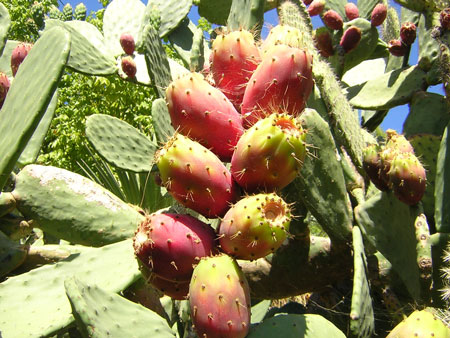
[255, 226]
[234, 58]
[408, 33]
[397, 48]
[372, 165]
[169, 244]
[219, 298]
[127, 43]
[316, 7]
[281, 84]
[129, 66]
[333, 20]
[350, 39]
[444, 19]
[269, 154]
[195, 177]
[205, 114]
[323, 42]
[378, 15]
[4, 87]
[351, 11]
[18, 55]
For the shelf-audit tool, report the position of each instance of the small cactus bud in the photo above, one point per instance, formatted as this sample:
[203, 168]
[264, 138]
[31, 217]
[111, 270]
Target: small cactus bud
[351, 11]
[397, 48]
[316, 7]
[4, 87]
[445, 18]
[127, 43]
[408, 33]
[129, 66]
[350, 39]
[379, 14]
[18, 55]
[333, 20]
[323, 42]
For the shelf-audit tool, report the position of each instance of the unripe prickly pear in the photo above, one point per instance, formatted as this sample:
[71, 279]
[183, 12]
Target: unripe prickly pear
[351, 11]
[283, 35]
[316, 7]
[195, 177]
[378, 15]
[420, 324]
[219, 298]
[270, 154]
[350, 39]
[282, 83]
[333, 20]
[408, 33]
[203, 112]
[323, 42]
[397, 48]
[234, 58]
[127, 43]
[129, 66]
[373, 166]
[4, 87]
[255, 226]
[168, 244]
[18, 55]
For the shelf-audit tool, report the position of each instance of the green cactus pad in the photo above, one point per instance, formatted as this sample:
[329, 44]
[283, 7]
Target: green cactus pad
[366, 7]
[388, 225]
[88, 52]
[365, 71]
[246, 14]
[322, 165]
[5, 22]
[12, 254]
[47, 309]
[122, 16]
[389, 90]
[424, 261]
[442, 186]
[120, 144]
[336, 5]
[5, 58]
[259, 311]
[420, 324]
[215, 11]
[429, 48]
[36, 80]
[172, 13]
[362, 321]
[161, 121]
[182, 39]
[197, 59]
[71, 207]
[99, 313]
[31, 151]
[294, 326]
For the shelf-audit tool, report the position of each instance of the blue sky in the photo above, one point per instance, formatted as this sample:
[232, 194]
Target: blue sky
[395, 117]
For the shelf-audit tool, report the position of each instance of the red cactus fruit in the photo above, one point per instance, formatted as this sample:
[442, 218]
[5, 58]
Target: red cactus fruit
[397, 48]
[316, 7]
[175, 289]
[444, 18]
[219, 298]
[170, 244]
[205, 114]
[323, 42]
[333, 20]
[350, 39]
[18, 55]
[4, 87]
[283, 35]
[129, 66]
[408, 178]
[351, 11]
[269, 154]
[195, 177]
[307, 2]
[373, 166]
[378, 15]
[281, 83]
[408, 33]
[234, 58]
[255, 226]
[127, 43]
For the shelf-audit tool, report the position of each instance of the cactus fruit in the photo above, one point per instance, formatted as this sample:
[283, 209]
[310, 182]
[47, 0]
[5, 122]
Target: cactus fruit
[316, 7]
[350, 39]
[80, 12]
[67, 12]
[55, 13]
[205, 114]
[255, 226]
[168, 244]
[195, 177]
[4, 87]
[281, 83]
[397, 48]
[127, 43]
[372, 165]
[351, 11]
[129, 66]
[219, 298]
[323, 42]
[270, 154]
[38, 13]
[378, 15]
[178, 290]
[444, 18]
[18, 55]
[234, 58]
[333, 20]
[420, 324]
[408, 33]
[283, 35]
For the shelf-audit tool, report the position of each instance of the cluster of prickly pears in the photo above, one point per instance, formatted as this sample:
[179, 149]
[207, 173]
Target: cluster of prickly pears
[395, 166]
[127, 63]
[399, 47]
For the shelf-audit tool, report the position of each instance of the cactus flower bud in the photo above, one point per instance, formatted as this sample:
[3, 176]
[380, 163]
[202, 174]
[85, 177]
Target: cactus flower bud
[350, 39]
[408, 33]
[333, 20]
[351, 11]
[397, 48]
[445, 18]
[127, 43]
[379, 14]
[129, 66]
[316, 7]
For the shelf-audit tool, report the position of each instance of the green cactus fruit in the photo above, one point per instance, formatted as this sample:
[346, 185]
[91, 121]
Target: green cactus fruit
[351, 11]
[283, 35]
[38, 13]
[203, 112]
[4, 87]
[333, 20]
[350, 39]
[169, 244]
[67, 12]
[372, 165]
[255, 226]
[281, 83]
[270, 154]
[127, 43]
[316, 7]
[379, 14]
[420, 324]
[18, 55]
[235, 57]
[408, 178]
[323, 42]
[80, 12]
[178, 290]
[219, 298]
[195, 177]
[128, 66]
